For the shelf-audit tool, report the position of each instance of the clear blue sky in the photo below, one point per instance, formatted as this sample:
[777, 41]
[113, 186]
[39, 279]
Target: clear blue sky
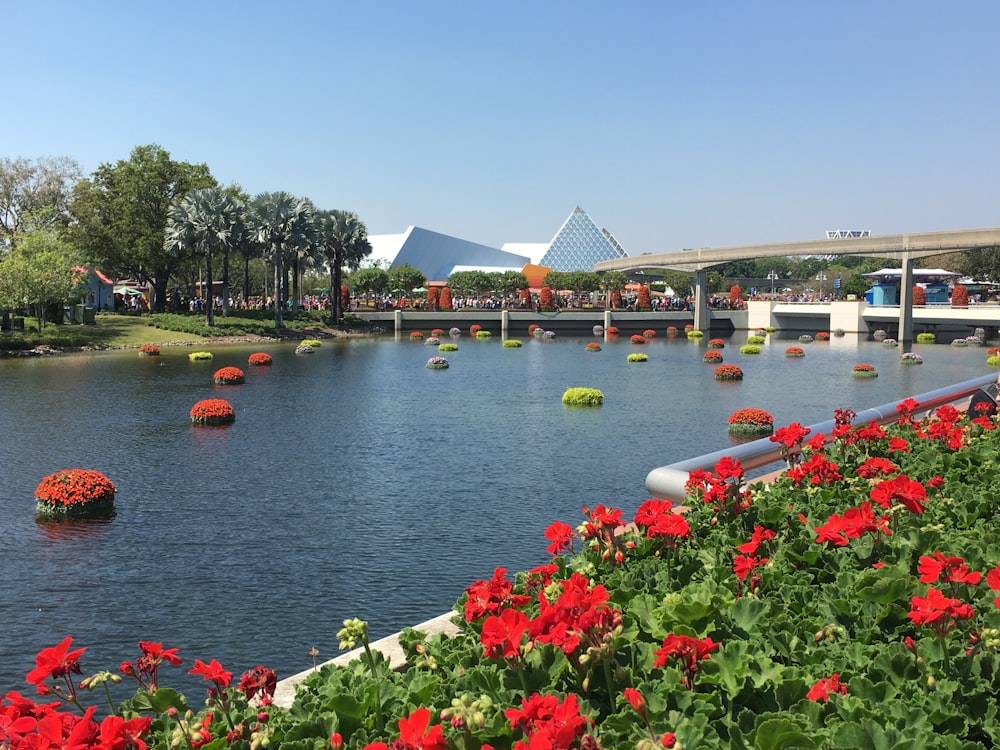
[674, 124]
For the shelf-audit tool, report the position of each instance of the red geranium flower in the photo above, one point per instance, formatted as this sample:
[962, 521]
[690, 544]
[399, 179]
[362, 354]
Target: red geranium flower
[212, 672]
[56, 661]
[821, 690]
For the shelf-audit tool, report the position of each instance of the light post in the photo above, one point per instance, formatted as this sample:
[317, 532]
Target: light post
[821, 277]
[772, 276]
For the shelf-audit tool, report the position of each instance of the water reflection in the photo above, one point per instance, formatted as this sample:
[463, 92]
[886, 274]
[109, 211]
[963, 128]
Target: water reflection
[66, 530]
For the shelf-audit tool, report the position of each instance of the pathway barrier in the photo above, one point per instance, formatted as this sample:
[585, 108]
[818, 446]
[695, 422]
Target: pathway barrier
[667, 482]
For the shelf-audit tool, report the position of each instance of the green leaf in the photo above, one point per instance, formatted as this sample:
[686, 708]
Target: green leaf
[775, 734]
[160, 701]
[885, 586]
[747, 612]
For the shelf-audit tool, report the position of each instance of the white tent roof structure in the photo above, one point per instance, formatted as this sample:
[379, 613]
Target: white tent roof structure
[918, 273]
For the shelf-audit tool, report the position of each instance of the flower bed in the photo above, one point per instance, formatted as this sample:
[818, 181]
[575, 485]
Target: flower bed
[582, 397]
[756, 340]
[638, 339]
[716, 344]
[926, 338]
[889, 343]
[712, 356]
[794, 352]
[751, 423]
[416, 336]
[200, 356]
[864, 371]
[750, 349]
[805, 338]
[438, 332]
[483, 335]
[212, 412]
[728, 372]
[75, 493]
[314, 343]
[959, 342]
[512, 344]
[260, 359]
[694, 334]
[822, 336]
[593, 346]
[304, 349]
[448, 347]
[911, 358]
[229, 376]
[437, 363]
[649, 333]
[612, 330]
[849, 602]
[637, 357]
[149, 350]
[454, 331]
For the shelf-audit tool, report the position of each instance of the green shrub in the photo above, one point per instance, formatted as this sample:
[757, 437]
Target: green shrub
[926, 338]
[512, 344]
[756, 340]
[583, 397]
[750, 349]
[448, 347]
[638, 357]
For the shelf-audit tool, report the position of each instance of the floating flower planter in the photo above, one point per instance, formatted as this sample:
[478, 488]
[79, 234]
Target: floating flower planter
[889, 343]
[75, 493]
[598, 330]
[534, 327]
[432, 341]
[612, 330]
[750, 349]
[959, 342]
[582, 397]
[513, 344]
[483, 334]
[637, 339]
[694, 334]
[728, 372]
[688, 327]
[794, 352]
[649, 333]
[926, 338]
[712, 356]
[716, 344]
[756, 340]
[805, 338]
[911, 358]
[593, 346]
[671, 330]
[864, 371]
[993, 350]
[973, 341]
[454, 331]
[200, 356]
[548, 334]
[839, 333]
[260, 359]
[760, 332]
[993, 360]
[448, 347]
[770, 329]
[314, 343]
[416, 336]
[822, 336]
[212, 412]
[149, 350]
[229, 376]
[879, 334]
[304, 349]
[751, 423]
[437, 363]
[638, 357]
[474, 329]
[437, 332]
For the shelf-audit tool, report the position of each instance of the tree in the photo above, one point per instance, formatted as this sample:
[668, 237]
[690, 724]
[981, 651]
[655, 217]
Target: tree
[344, 239]
[35, 194]
[41, 270]
[280, 221]
[203, 221]
[372, 280]
[981, 264]
[679, 281]
[475, 283]
[121, 215]
[613, 280]
[406, 278]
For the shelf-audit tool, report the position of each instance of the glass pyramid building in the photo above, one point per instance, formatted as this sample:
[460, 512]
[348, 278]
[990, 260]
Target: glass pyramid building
[579, 244]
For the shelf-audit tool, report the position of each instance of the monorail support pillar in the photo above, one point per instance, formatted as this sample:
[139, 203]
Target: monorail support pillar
[701, 322]
[906, 302]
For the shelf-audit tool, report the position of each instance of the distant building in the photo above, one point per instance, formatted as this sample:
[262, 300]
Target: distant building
[577, 246]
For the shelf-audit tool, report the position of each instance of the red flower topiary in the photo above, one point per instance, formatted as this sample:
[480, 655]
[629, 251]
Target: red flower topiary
[960, 296]
[711, 356]
[728, 372]
[794, 352]
[149, 350]
[716, 344]
[444, 299]
[638, 339]
[649, 333]
[228, 376]
[642, 301]
[545, 298]
[751, 423]
[212, 411]
[75, 492]
[919, 296]
[260, 359]
[612, 330]
[735, 296]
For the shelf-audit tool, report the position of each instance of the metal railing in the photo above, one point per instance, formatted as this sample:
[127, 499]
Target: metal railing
[667, 482]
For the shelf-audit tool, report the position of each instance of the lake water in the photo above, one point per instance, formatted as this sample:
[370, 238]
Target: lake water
[355, 482]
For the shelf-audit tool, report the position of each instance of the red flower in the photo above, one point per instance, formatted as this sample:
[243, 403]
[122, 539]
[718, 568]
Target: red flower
[743, 565]
[561, 536]
[259, 681]
[790, 436]
[492, 596]
[938, 610]
[414, 734]
[118, 734]
[547, 723]
[688, 651]
[212, 672]
[946, 569]
[821, 690]
[56, 661]
[907, 491]
[759, 536]
[635, 699]
[876, 466]
[502, 634]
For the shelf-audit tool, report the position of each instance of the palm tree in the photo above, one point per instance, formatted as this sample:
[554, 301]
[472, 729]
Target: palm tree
[344, 240]
[280, 221]
[202, 221]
